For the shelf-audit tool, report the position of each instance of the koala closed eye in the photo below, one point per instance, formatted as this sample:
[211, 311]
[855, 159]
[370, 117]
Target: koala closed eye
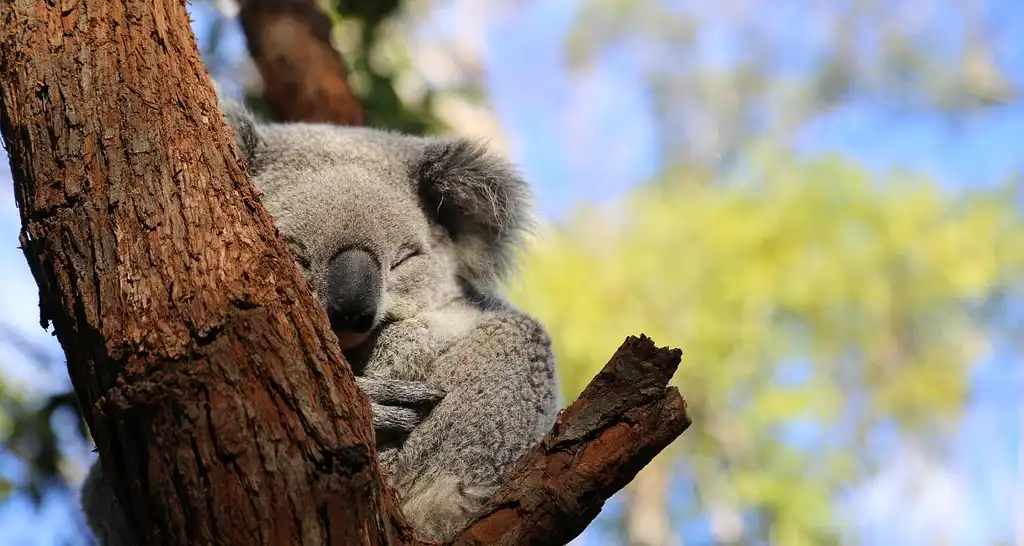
[404, 255]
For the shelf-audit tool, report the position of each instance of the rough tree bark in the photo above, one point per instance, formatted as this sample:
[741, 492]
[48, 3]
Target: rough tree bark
[206, 370]
[303, 74]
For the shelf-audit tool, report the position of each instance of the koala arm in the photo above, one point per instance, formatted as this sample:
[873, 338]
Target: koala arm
[501, 399]
[397, 406]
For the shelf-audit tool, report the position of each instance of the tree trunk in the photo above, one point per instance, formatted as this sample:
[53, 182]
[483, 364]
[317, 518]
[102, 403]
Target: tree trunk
[304, 76]
[206, 370]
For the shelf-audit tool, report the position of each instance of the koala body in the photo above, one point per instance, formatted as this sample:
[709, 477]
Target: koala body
[405, 240]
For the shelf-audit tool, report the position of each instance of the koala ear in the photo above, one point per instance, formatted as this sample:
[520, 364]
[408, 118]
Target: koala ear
[481, 200]
[242, 122]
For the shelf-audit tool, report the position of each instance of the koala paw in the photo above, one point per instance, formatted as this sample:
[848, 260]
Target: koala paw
[398, 406]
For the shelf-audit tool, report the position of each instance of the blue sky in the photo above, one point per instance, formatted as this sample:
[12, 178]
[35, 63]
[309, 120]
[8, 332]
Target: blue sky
[591, 138]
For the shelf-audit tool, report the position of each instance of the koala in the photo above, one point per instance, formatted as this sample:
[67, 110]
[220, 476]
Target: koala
[405, 240]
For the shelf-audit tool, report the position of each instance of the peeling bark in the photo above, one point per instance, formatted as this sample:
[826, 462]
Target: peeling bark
[303, 74]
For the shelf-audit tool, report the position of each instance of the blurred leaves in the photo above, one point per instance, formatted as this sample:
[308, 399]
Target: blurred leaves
[812, 303]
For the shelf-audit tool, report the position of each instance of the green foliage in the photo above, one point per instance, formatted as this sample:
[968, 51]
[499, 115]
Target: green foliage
[794, 294]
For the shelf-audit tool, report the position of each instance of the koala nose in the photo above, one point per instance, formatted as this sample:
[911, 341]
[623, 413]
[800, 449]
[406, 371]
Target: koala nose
[353, 291]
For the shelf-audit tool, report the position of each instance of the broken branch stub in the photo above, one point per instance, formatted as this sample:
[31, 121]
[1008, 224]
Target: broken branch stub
[621, 420]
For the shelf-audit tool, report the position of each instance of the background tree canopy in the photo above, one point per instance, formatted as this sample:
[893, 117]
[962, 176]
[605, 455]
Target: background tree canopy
[811, 314]
[816, 201]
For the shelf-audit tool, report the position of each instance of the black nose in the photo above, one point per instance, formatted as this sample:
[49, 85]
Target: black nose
[353, 291]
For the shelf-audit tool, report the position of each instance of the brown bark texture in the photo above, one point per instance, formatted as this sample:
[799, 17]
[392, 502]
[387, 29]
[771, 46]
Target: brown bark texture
[625, 416]
[304, 76]
[206, 370]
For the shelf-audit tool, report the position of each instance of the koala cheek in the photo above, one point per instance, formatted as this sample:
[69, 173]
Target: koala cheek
[391, 305]
[398, 307]
[407, 295]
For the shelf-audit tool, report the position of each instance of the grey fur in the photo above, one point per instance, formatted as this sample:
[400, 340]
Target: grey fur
[461, 383]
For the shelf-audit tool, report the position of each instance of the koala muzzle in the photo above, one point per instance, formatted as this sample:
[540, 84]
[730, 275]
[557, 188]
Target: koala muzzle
[353, 292]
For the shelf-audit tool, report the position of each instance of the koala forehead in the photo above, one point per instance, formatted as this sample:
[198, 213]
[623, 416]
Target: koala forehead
[356, 182]
[304, 146]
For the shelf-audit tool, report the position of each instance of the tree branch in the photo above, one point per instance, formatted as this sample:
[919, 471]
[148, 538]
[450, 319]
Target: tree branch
[304, 75]
[624, 417]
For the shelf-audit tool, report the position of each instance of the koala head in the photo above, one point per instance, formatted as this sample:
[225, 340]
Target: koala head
[385, 226]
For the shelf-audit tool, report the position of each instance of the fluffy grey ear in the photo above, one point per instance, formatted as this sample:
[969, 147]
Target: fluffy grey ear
[481, 200]
[242, 122]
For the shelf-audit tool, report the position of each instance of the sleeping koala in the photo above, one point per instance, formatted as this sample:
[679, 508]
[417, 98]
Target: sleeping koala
[405, 241]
